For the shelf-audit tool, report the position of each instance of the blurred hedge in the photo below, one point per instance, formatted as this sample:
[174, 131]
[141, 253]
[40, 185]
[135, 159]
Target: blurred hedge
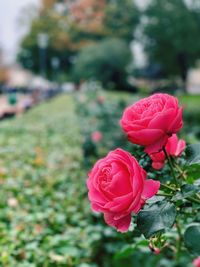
[45, 216]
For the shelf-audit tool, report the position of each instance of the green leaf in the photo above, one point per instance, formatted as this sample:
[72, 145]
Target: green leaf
[189, 189]
[157, 217]
[193, 154]
[193, 173]
[128, 250]
[192, 238]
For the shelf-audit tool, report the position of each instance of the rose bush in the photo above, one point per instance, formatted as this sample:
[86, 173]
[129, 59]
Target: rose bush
[169, 220]
[152, 120]
[118, 186]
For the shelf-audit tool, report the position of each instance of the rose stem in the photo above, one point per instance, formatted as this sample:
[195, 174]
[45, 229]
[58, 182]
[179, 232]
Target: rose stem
[182, 173]
[179, 239]
[171, 167]
[164, 195]
[193, 200]
[169, 187]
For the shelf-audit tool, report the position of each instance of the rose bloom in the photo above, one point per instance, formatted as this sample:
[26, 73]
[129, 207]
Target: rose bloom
[174, 148]
[96, 136]
[101, 99]
[152, 120]
[196, 262]
[118, 187]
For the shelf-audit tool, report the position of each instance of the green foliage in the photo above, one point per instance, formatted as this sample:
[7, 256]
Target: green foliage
[106, 62]
[121, 19]
[156, 217]
[51, 24]
[193, 164]
[192, 237]
[68, 35]
[157, 221]
[128, 250]
[193, 154]
[172, 34]
[45, 216]
[190, 189]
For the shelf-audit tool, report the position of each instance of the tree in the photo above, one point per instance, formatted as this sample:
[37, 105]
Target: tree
[105, 61]
[77, 24]
[172, 35]
[121, 19]
[55, 25]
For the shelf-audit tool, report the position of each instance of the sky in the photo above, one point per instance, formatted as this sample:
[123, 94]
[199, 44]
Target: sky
[11, 30]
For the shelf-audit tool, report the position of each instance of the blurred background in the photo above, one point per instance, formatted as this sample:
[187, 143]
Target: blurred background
[67, 71]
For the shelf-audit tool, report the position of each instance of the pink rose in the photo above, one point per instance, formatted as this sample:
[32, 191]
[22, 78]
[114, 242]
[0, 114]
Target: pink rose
[96, 136]
[152, 120]
[174, 148]
[118, 186]
[101, 99]
[196, 262]
[158, 160]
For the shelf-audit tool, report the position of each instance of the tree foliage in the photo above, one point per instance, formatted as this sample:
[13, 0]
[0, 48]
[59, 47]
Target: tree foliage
[75, 26]
[121, 19]
[105, 61]
[172, 34]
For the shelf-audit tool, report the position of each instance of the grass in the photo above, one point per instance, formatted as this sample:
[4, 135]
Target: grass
[191, 102]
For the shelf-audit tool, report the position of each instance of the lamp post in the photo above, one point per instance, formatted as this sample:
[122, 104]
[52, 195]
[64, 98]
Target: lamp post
[42, 40]
[55, 63]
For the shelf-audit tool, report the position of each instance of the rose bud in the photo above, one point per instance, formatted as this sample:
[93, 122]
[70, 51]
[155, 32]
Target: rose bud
[152, 120]
[196, 262]
[118, 187]
[101, 99]
[174, 148]
[96, 136]
[154, 249]
[158, 160]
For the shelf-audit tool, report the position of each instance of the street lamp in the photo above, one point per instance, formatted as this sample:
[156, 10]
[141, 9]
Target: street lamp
[42, 40]
[55, 63]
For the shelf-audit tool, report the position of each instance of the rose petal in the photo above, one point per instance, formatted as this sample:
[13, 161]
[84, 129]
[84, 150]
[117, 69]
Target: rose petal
[145, 137]
[151, 188]
[175, 147]
[122, 224]
[157, 165]
[181, 146]
[157, 146]
[177, 122]
[120, 204]
[162, 120]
